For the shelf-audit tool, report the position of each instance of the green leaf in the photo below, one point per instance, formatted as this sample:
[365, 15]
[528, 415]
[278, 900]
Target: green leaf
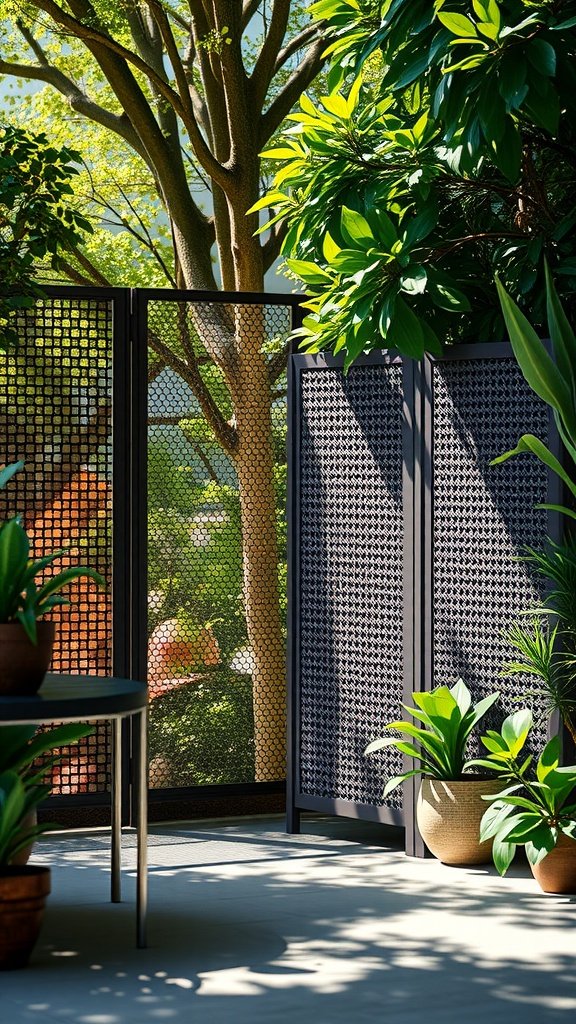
[507, 150]
[458, 24]
[14, 551]
[405, 333]
[561, 333]
[542, 56]
[56, 583]
[549, 759]
[446, 296]
[515, 730]
[309, 272]
[539, 370]
[502, 854]
[413, 282]
[397, 780]
[356, 229]
[528, 444]
[8, 472]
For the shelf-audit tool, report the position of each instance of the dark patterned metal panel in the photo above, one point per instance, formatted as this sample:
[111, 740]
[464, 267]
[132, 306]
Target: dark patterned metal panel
[351, 579]
[56, 416]
[482, 517]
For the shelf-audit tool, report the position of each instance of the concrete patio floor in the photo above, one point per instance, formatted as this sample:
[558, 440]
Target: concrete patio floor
[250, 925]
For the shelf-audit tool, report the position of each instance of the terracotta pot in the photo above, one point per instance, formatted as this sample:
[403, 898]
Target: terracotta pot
[557, 872]
[449, 815]
[23, 664]
[23, 892]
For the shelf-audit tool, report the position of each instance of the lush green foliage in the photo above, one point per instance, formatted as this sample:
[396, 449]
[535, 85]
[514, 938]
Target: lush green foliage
[36, 218]
[449, 157]
[22, 599]
[204, 734]
[551, 377]
[448, 717]
[547, 645]
[21, 785]
[539, 807]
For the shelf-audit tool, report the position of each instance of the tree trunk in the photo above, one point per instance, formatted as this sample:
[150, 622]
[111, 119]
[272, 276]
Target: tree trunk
[254, 462]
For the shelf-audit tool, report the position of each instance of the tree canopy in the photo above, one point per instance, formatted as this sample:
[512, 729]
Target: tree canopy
[444, 151]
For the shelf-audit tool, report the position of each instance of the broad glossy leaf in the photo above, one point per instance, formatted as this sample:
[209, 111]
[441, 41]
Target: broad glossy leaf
[515, 729]
[459, 24]
[502, 854]
[540, 844]
[356, 229]
[398, 779]
[549, 759]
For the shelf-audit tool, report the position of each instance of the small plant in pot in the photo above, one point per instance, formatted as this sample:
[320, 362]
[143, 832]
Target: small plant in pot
[25, 643]
[449, 807]
[24, 887]
[538, 811]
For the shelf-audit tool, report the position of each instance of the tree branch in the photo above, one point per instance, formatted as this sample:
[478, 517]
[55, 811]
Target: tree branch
[299, 80]
[264, 68]
[224, 432]
[297, 43]
[78, 29]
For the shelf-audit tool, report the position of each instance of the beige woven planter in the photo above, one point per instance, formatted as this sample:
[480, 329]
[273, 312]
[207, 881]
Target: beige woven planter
[449, 815]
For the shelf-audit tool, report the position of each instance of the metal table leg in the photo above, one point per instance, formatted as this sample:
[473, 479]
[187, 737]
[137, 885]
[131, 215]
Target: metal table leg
[116, 809]
[142, 830]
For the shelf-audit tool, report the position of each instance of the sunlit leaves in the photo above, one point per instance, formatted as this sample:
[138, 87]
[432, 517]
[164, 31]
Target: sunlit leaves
[437, 114]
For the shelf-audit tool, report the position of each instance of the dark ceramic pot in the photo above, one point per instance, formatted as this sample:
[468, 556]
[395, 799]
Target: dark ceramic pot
[23, 664]
[23, 892]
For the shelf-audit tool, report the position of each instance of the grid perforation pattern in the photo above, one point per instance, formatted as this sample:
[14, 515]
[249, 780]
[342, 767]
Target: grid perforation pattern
[482, 516]
[55, 415]
[351, 579]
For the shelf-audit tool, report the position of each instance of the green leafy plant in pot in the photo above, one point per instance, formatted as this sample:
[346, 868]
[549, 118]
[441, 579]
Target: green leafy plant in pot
[449, 806]
[26, 644]
[24, 887]
[538, 811]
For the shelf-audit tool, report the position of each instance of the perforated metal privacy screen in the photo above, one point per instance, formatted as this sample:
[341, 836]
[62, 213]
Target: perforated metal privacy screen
[482, 517]
[209, 679]
[350, 587]
[56, 416]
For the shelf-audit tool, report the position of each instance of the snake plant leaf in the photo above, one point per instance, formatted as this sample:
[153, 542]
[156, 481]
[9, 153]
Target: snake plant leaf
[27, 618]
[63, 578]
[529, 444]
[14, 550]
[558, 508]
[537, 366]
[561, 333]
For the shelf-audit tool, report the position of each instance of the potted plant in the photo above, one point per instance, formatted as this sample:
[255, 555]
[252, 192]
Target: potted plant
[25, 643]
[538, 811]
[24, 887]
[449, 807]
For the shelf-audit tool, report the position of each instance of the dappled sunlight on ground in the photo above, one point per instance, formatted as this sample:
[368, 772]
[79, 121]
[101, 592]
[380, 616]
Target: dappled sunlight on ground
[247, 924]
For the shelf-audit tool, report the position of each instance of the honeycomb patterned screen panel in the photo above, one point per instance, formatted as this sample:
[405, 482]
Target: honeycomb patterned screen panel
[482, 518]
[56, 416]
[350, 561]
[216, 542]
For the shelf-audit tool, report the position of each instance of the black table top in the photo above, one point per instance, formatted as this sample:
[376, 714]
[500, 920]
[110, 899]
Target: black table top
[78, 698]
